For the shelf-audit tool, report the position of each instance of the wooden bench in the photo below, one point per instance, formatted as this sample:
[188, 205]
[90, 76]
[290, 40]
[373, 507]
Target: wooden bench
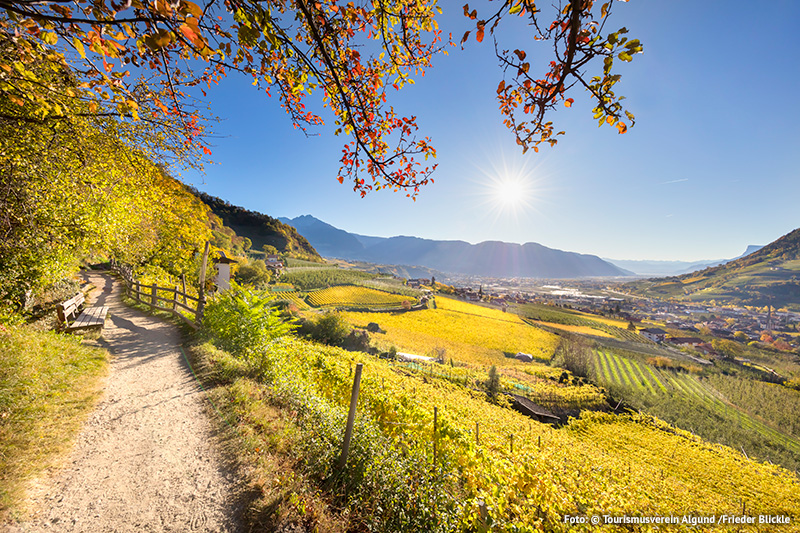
[90, 317]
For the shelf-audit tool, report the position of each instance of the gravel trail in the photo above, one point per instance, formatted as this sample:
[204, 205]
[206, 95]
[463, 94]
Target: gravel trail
[146, 459]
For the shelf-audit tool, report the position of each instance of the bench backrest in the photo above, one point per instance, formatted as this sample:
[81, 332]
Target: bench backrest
[69, 308]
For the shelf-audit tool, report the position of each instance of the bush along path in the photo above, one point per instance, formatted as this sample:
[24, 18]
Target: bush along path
[146, 458]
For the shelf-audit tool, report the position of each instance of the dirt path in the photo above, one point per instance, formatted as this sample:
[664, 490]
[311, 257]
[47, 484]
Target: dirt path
[145, 460]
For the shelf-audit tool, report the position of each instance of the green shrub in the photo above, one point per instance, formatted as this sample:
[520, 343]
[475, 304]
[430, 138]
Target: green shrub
[330, 328]
[254, 273]
[242, 322]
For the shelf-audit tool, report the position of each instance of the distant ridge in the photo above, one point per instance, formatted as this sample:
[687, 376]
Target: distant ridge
[490, 258]
[673, 268]
[261, 229]
[767, 276]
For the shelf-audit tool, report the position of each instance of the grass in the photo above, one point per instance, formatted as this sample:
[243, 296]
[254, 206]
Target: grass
[262, 436]
[48, 385]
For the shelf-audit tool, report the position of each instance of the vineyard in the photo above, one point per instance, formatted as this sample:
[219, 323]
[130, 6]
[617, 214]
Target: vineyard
[307, 279]
[291, 297]
[558, 317]
[470, 334]
[657, 387]
[354, 296]
[482, 467]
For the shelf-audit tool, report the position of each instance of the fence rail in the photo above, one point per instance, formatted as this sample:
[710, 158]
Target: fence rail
[169, 299]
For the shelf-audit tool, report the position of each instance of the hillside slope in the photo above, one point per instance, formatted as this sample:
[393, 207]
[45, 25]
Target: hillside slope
[260, 229]
[767, 276]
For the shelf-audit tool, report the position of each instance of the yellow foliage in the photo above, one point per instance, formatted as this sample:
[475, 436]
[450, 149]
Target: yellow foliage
[353, 296]
[584, 330]
[470, 333]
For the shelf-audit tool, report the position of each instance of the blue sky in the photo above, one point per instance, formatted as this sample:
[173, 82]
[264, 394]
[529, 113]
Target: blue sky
[712, 165]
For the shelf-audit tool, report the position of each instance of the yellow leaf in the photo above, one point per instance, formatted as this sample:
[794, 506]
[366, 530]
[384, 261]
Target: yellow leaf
[79, 47]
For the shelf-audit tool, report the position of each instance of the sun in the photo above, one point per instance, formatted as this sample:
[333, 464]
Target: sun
[510, 192]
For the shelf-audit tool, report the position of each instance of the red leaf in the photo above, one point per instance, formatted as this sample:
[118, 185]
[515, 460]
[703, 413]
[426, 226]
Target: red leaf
[568, 102]
[479, 34]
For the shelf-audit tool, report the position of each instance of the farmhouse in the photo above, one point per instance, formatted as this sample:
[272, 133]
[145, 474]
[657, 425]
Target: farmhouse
[692, 342]
[654, 334]
[274, 262]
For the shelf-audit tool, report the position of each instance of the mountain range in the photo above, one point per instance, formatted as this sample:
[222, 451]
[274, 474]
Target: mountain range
[767, 276]
[489, 258]
[673, 268]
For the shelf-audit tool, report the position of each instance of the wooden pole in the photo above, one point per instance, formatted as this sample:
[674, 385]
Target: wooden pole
[435, 423]
[138, 291]
[477, 434]
[351, 417]
[183, 287]
[175, 299]
[153, 301]
[201, 302]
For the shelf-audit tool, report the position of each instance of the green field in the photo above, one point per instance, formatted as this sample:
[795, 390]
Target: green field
[691, 402]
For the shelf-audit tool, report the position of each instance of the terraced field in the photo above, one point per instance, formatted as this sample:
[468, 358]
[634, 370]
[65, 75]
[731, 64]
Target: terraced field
[622, 372]
[353, 296]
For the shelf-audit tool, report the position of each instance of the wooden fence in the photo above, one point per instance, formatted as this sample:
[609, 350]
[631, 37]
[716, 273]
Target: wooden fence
[170, 299]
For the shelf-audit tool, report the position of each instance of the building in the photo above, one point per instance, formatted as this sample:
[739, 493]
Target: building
[653, 334]
[692, 342]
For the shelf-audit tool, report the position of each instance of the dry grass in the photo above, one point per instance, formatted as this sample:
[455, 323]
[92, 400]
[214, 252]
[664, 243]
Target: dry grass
[48, 385]
[260, 438]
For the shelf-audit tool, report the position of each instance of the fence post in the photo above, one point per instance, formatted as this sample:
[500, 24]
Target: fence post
[153, 301]
[201, 302]
[138, 291]
[351, 417]
[175, 299]
[183, 286]
[477, 435]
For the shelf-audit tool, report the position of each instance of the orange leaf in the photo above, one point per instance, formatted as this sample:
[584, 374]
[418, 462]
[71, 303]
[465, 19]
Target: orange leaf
[341, 179]
[479, 34]
[501, 86]
[568, 102]
[622, 127]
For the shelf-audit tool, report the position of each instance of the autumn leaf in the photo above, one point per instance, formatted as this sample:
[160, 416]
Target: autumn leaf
[79, 47]
[568, 102]
[479, 34]
[622, 127]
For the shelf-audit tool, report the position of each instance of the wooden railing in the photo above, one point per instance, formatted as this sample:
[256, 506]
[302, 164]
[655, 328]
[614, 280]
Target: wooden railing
[170, 299]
